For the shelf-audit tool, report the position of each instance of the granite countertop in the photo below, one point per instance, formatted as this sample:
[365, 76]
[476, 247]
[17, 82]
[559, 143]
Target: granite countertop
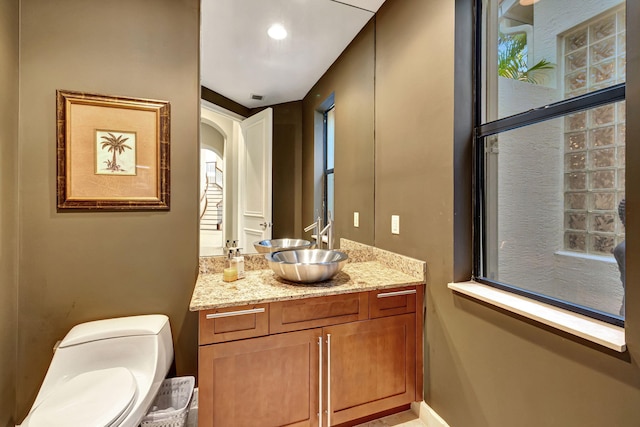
[368, 269]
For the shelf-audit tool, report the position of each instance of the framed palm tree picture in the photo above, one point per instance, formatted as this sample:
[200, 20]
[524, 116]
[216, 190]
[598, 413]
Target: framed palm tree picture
[112, 152]
[115, 152]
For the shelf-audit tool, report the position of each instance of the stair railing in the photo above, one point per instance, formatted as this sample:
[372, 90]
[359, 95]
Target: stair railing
[204, 197]
[219, 208]
[218, 179]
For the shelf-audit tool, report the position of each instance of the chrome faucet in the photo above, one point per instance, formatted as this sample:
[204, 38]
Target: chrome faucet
[317, 226]
[328, 230]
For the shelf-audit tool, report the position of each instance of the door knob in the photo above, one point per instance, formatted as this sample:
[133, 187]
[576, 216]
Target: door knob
[265, 224]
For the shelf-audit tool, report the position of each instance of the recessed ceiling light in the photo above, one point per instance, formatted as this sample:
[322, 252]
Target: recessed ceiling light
[277, 32]
[528, 2]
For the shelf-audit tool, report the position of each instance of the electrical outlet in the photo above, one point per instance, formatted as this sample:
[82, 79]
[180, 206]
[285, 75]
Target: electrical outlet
[395, 224]
[356, 219]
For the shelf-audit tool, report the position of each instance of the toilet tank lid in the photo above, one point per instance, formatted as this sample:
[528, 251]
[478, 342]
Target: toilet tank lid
[150, 324]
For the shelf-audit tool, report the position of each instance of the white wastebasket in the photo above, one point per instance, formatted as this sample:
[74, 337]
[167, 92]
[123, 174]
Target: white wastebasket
[171, 405]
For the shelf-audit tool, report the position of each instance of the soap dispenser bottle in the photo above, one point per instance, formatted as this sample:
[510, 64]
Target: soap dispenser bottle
[227, 260]
[239, 263]
[230, 272]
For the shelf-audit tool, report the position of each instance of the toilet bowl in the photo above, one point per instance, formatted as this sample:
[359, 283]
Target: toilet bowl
[104, 373]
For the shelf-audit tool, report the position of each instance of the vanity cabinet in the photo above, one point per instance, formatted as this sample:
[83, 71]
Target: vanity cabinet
[320, 361]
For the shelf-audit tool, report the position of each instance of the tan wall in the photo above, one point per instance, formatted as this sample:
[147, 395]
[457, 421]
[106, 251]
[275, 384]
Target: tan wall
[76, 267]
[212, 139]
[351, 78]
[8, 207]
[484, 368]
[414, 130]
[286, 170]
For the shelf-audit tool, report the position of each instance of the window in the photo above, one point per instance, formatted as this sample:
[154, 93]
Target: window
[550, 161]
[329, 144]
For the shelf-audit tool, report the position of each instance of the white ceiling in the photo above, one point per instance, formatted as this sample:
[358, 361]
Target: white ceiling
[239, 59]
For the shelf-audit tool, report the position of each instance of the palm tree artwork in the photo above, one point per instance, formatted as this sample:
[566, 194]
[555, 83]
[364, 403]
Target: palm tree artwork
[116, 143]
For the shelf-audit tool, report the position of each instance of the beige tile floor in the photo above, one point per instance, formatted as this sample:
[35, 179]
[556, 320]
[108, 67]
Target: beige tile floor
[402, 419]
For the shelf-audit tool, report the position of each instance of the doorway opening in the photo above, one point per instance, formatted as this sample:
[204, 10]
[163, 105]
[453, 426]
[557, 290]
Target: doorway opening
[212, 188]
[235, 179]
[211, 202]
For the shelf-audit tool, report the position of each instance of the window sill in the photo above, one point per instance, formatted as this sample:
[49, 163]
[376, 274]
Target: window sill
[602, 258]
[593, 330]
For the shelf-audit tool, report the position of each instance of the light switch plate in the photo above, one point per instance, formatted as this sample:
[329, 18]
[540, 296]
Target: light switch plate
[395, 224]
[356, 219]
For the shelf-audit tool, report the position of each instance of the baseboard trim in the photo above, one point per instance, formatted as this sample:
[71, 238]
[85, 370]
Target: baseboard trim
[427, 415]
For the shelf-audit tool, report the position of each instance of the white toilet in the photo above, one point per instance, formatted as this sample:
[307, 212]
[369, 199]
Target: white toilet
[104, 374]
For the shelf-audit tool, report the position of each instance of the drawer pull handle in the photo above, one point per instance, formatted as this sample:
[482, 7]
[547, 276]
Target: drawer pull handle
[235, 313]
[397, 293]
[328, 380]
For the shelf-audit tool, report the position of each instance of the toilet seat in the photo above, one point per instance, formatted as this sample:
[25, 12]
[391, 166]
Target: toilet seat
[96, 398]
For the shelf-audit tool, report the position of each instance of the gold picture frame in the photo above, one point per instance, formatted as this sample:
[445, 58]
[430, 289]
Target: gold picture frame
[112, 152]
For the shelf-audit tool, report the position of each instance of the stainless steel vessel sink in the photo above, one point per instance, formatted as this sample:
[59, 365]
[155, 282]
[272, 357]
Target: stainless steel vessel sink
[275, 245]
[307, 266]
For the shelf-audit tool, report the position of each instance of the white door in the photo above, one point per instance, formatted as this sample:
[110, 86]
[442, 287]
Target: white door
[255, 146]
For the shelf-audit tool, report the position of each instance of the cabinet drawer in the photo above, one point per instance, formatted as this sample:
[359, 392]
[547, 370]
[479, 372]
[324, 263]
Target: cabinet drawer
[317, 312]
[233, 323]
[391, 302]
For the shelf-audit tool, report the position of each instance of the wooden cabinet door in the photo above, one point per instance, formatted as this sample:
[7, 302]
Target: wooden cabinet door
[268, 381]
[371, 366]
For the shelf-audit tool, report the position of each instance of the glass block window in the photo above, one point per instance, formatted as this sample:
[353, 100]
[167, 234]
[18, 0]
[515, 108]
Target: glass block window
[594, 159]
